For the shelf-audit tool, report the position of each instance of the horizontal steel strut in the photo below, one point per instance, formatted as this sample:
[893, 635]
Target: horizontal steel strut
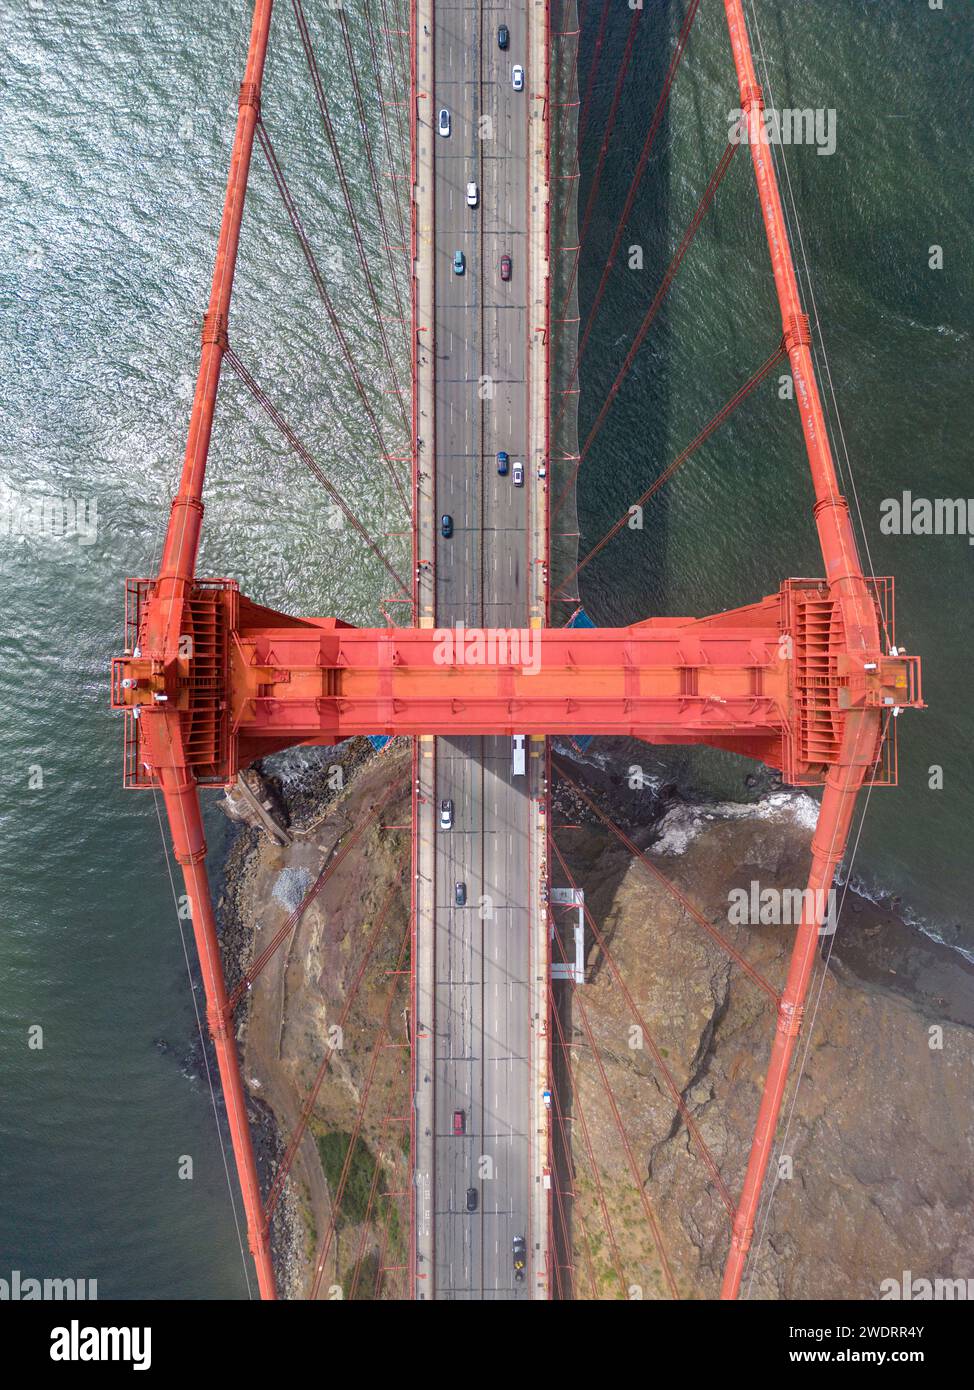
[244, 681]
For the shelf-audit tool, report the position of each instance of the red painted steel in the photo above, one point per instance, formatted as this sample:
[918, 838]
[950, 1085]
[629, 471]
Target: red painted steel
[167, 635]
[737, 680]
[853, 635]
[211, 681]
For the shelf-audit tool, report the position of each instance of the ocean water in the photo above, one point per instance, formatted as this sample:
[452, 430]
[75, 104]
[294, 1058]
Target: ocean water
[116, 130]
[117, 124]
[736, 518]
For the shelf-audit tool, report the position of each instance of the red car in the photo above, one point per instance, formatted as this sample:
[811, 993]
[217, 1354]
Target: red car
[459, 1122]
[505, 267]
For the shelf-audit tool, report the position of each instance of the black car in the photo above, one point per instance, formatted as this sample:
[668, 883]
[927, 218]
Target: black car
[471, 1199]
[460, 894]
[503, 37]
[519, 1251]
[446, 527]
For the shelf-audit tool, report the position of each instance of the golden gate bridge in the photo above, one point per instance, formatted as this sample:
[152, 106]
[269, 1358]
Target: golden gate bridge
[808, 680]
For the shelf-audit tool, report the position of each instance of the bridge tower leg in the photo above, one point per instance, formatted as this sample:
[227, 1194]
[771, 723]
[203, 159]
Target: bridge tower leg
[168, 628]
[860, 639]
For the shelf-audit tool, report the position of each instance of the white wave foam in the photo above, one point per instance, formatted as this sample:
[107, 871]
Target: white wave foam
[681, 825]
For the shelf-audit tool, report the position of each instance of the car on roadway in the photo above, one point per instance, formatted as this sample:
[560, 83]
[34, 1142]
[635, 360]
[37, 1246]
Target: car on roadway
[502, 461]
[459, 1122]
[459, 262]
[519, 1253]
[517, 77]
[518, 476]
[446, 526]
[460, 894]
[505, 267]
[444, 121]
[503, 36]
[446, 815]
[471, 1199]
[473, 195]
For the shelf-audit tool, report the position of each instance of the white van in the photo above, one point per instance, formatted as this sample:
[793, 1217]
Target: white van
[517, 756]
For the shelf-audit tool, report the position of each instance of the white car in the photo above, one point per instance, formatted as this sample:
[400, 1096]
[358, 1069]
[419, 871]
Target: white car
[517, 475]
[517, 77]
[473, 197]
[444, 121]
[446, 815]
[542, 470]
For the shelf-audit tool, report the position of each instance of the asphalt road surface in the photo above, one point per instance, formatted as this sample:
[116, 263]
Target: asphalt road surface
[482, 1024]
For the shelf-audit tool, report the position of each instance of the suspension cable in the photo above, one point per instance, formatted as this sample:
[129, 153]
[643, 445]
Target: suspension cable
[567, 1151]
[296, 223]
[671, 887]
[339, 164]
[377, 1167]
[398, 106]
[287, 1159]
[586, 101]
[692, 1127]
[623, 1134]
[596, 1172]
[259, 962]
[377, 69]
[634, 186]
[703, 206]
[359, 1119]
[370, 160]
[309, 462]
[725, 411]
[603, 151]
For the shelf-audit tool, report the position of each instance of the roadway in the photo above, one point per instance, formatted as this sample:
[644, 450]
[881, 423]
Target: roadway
[482, 1033]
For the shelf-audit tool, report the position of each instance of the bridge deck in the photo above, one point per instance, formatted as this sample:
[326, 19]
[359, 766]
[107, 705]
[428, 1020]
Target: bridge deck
[481, 369]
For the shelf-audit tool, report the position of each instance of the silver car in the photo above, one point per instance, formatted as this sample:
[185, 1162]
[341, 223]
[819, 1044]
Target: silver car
[444, 121]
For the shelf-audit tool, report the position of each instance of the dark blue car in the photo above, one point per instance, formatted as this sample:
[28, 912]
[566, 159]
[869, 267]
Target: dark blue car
[502, 462]
[446, 526]
[503, 37]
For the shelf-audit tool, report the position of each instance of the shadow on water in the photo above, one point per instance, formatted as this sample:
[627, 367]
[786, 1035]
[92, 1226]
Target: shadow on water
[629, 450]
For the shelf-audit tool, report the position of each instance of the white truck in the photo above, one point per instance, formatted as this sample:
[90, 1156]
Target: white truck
[518, 766]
